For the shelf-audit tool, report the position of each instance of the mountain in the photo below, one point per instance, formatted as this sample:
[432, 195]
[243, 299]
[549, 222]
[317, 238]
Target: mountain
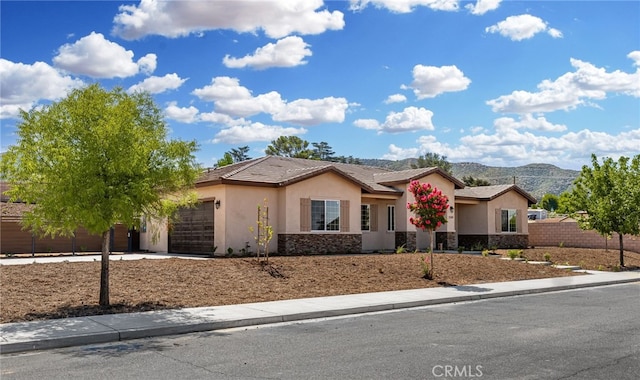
[536, 179]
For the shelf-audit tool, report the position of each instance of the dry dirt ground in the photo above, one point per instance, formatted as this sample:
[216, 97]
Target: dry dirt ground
[45, 291]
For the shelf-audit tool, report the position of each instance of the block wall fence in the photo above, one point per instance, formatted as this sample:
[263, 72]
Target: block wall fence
[553, 234]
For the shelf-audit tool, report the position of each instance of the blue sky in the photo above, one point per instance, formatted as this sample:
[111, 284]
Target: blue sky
[501, 83]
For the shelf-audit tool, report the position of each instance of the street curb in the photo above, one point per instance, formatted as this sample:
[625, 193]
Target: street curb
[194, 323]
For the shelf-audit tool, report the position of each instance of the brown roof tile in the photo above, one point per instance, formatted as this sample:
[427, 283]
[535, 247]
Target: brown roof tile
[491, 192]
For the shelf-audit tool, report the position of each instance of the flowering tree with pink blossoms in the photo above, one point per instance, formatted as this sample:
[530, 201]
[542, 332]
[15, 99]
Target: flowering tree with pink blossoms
[430, 209]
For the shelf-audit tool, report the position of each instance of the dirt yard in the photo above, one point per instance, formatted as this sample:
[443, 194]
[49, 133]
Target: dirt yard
[45, 291]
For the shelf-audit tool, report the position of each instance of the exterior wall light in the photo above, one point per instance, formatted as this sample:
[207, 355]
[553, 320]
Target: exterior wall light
[217, 204]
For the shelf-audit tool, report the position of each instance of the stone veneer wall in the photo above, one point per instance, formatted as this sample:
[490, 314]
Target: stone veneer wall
[317, 243]
[449, 240]
[408, 239]
[469, 241]
[499, 241]
[509, 241]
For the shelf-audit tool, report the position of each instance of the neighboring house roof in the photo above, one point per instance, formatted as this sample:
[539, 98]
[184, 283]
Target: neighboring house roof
[279, 171]
[487, 193]
[10, 211]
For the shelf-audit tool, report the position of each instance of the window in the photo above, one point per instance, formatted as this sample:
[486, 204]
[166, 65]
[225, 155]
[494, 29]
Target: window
[509, 221]
[325, 215]
[391, 218]
[365, 217]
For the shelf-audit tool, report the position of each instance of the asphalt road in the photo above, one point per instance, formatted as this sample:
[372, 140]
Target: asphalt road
[591, 333]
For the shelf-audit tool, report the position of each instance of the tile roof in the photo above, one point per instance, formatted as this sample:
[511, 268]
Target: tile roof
[488, 193]
[281, 171]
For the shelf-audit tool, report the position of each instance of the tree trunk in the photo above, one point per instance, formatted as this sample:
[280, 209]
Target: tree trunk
[104, 270]
[621, 250]
[432, 235]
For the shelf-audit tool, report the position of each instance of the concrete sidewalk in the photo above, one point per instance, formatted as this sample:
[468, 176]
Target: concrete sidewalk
[37, 335]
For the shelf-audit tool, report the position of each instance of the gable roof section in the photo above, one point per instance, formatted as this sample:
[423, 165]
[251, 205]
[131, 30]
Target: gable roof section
[406, 176]
[276, 171]
[488, 193]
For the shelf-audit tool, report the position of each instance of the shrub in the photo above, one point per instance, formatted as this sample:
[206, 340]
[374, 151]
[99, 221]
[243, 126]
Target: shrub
[513, 253]
[547, 256]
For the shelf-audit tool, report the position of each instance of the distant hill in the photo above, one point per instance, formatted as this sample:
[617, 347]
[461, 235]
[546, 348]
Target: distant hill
[536, 179]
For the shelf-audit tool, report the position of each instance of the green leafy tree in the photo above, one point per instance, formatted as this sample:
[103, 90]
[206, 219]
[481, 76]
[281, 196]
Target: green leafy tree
[227, 159]
[609, 193]
[430, 160]
[322, 151]
[94, 159]
[550, 202]
[564, 203]
[473, 182]
[289, 146]
[240, 154]
[430, 209]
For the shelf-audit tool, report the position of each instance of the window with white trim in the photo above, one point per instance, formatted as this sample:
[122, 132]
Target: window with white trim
[391, 218]
[509, 219]
[325, 215]
[365, 217]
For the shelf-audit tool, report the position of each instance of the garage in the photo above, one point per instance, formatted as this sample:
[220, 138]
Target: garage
[192, 231]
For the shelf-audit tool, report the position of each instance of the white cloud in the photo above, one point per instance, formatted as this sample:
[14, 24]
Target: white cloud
[570, 90]
[97, 57]
[181, 18]
[527, 121]
[395, 98]
[572, 148]
[22, 86]
[397, 153]
[510, 147]
[410, 119]
[254, 132]
[483, 6]
[431, 81]
[157, 85]
[287, 52]
[312, 112]
[182, 114]
[405, 6]
[635, 56]
[522, 27]
[231, 98]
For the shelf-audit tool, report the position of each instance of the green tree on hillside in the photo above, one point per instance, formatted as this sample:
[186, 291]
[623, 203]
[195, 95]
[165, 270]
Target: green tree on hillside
[550, 202]
[289, 146]
[564, 203]
[473, 182]
[240, 154]
[227, 159]
[94, 159]
[609, 193]
[322, 151]
[429, 160]
[234, 155]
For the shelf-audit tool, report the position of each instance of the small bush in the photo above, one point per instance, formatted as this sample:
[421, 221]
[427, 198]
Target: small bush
[547, 256]
[400, 249]
[513, 254]
[485, 252]
[460, 249]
